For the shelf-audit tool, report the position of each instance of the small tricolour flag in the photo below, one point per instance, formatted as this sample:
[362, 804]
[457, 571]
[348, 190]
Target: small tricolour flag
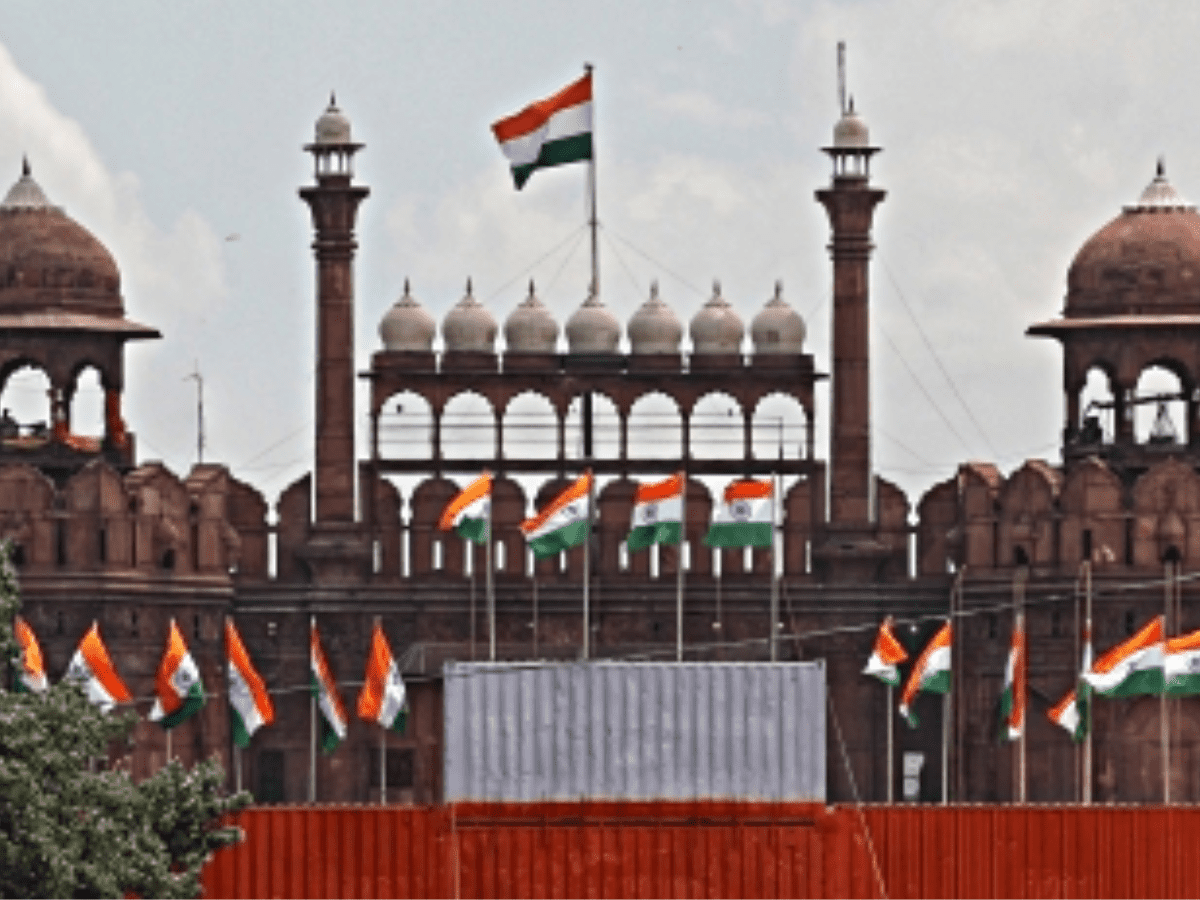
[179, 692]
[383, 698]
[886, 657]
[549, 132]
[1012, 700]
[1073, 712]
[1133, 667]
[31, 666]
[469, 513]
[746, 516]
[657, 516]
[1181, 665]
[249, 702]
[324, 689]
[565, 522]
[931, 673]
[92, 669]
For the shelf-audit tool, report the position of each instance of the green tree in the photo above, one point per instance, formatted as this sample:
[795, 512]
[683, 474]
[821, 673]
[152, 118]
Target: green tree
[72, 827]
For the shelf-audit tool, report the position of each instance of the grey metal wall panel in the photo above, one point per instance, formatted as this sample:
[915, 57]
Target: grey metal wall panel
[639, 731]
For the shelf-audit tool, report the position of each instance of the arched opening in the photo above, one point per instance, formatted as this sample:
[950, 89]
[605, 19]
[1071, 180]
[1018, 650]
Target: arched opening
[779, 428]
[406, 427]
[655, 428]
[606, 428]
[468, 427]
[1020, 556]
[530, 427]
[86, 416]
[716, 427]
[25, 403]
[1096, 412]
[1160, 415]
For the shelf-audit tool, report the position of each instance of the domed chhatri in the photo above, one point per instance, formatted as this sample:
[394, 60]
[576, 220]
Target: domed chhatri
[778, 328]
[654, 328]
[469, 327]
[593, 329]
[717, 328]
[333, 127]
[407, 327]
[530, 328]
[850, 131]
[1146, 261]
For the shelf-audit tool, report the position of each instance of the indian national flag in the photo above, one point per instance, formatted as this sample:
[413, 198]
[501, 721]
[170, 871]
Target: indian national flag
[1073, 712]
[179, 693]
[564, 522]
[931, 673]
[1133, 667]
[1012, 701]
[92, 669]
[550, 132]
[745, 518]
[249, 702]
[324, 688]
[468, 513]
[887, 655]
[383, 698]
[657, 514]
[1181, 665]
[31, 676]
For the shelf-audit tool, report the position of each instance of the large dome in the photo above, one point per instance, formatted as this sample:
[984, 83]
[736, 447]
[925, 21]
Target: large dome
[49, 263]
[1146, 261]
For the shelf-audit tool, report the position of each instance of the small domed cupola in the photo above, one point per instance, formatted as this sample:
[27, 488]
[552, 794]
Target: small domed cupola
[654, 328]
[469, 327]
[332, 126]
[26, 193]
[778, 328]
[850, 132]
[530, 328]
[407, 327]
[717, 327]
[592, 328]
[1159, 195]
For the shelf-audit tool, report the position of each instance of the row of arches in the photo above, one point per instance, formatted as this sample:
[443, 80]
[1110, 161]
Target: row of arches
[1160, 406]
[29, 397]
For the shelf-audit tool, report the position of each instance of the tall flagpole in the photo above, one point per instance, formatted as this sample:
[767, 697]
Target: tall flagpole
[312, 730]
[1022, 662]
[1087, 642]
[491, 594]
[774, 578]
[587, 572]
[1163, 708]
[891, 744]
[593, 218]
[679, 571]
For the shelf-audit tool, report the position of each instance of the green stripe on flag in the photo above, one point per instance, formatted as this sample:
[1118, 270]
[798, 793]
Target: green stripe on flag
[562, 539]
[193, 702]
[241, 737]
[938, 683]
[739, 534]
[1140, 681]
[1184, 685]
[575, 148]
[472, 530]
[658, 533]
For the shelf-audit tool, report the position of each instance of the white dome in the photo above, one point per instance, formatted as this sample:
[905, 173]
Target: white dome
[717, 328]
[407, 327]
[469, 327]
[778, 328]
[593, 329]
[26, 193]
[851, 132]
[654, 328]
[1159, 194]
[333, 127]
[530, 328]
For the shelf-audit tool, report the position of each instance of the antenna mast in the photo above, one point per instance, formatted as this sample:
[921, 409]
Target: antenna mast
[841, 69]
[195, 376]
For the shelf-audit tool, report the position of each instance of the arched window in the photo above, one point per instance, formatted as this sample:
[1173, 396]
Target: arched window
[1160, 413]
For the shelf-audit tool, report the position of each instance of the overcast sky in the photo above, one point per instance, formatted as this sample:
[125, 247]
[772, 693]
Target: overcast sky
[1011, 131]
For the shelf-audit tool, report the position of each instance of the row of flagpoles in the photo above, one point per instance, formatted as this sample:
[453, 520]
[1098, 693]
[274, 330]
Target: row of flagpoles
[1146, 664]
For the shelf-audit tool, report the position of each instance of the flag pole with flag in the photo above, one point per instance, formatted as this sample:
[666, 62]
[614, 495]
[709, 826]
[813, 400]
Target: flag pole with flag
[31, 666]
[326, 705]
[1133, 667]
[657, 518]
[745, 517]
[249, 703]
[92, 669]
[179, 692]
[931, 673]
[469, 515]
[383, 699]
[1013, 699]
[884, 664]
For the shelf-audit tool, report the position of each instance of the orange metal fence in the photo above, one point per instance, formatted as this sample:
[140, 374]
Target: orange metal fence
[711, 849]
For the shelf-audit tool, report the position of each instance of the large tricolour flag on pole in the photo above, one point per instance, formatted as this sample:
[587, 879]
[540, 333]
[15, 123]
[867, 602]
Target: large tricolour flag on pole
[657, 514]
[1012, 700]
[1181, 665]
[931, 673]
[887, 655]
[249, 702]
[325, 690]
[1133, 667]
[31, 672]
[563, 523]
[92, 669]
[383, 698]
[179, 693]
[467, 515]
[745, 518]
[549, 132]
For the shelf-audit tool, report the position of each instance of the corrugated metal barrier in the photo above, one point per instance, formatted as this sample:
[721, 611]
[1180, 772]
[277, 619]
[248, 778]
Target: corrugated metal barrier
[711, 849]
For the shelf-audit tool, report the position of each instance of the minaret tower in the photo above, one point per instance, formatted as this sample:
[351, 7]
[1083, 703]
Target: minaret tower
[851, 551]
[337, 551]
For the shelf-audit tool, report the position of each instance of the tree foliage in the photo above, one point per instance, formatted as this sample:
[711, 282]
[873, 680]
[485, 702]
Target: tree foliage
[70, 826]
